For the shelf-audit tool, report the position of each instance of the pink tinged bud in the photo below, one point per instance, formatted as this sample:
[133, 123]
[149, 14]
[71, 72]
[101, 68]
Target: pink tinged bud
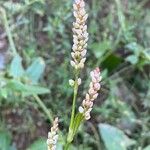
[94, 80]
[85, 17]
[82, 12]
[75, 7]
[85, 28]
[97, 86]
[82, 3]
[95, 96]
[97, 70]
[81, 109]
[78, 20]
[91, 91]
[78, 31]
[91, 85]
[90, 104]
[87, 97]
[83, 53]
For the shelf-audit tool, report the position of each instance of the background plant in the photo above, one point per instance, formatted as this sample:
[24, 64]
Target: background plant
[119, 33]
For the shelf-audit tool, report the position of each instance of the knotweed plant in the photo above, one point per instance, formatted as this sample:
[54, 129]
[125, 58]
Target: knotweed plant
[79, 50]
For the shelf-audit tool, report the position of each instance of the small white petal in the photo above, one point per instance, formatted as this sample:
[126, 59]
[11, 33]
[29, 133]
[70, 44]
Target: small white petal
[83, 53]
[82, 4]
[85, 17]
[81, 65]
[87, 97]
[77, 1]
[75, 7]
[73, 64]
[81, 109]
[83, 60]
[95, 96]
[82, 12]
[71, 82]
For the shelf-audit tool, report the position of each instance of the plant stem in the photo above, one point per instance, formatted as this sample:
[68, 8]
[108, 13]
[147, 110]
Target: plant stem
[74, 100]
[8, 31]
[44, 108]
[70, 132]
[67, 146]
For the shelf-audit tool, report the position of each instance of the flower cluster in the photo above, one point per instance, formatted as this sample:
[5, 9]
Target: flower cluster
[92, 94]
[80, 35]
[53, 136]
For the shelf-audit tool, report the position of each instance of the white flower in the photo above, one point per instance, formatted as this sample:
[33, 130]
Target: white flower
[52, 136]
[71, 82]
[81, 109]
[80, 35]
[92, 94]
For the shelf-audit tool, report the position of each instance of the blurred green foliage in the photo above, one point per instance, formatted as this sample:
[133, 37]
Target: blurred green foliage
[119, 44]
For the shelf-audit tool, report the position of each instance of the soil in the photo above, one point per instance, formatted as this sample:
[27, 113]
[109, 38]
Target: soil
[25, 124]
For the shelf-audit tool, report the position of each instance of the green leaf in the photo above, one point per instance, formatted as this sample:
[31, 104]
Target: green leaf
[112, 62]
[5, 140]
[16, 69]
[135, 48]
[147, 148]
[100, 49]
[35, 71]
[133, 59]
[114, 138]
[77, 121]
[26, 89]
[39, 144]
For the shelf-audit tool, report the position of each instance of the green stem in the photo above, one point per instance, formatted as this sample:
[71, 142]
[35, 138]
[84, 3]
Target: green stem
[70, 132]
[8, 31]
[74, 101]
[67, 146]
[44, 108]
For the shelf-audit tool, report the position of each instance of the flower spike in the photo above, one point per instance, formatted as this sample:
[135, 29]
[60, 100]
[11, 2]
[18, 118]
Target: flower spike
[80, 35]
[53, 136]
[92, 94]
